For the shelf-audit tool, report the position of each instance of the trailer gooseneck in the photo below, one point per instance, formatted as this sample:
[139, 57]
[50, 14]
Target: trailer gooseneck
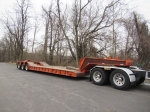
[119, 73]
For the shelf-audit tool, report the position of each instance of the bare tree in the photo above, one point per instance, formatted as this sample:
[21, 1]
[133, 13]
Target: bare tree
[85, 24]
[137, 39]
[143, 38]
[52, 34]
[63, 27]
[36, 29]
[129, 27]
[17, 25]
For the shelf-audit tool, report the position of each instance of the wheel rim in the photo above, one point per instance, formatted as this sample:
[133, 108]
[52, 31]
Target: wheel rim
[22, 67]
[26, 67]
[18, 66]
[97, 76]
[119, 79]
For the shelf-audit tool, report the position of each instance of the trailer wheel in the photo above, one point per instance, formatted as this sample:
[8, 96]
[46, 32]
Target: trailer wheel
[22, 66]
[99, 76]
[26, 67]
[119, 80]
[18, 66]
[140, 81]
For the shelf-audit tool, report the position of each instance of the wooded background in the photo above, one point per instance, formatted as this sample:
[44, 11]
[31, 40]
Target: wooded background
[87, 28]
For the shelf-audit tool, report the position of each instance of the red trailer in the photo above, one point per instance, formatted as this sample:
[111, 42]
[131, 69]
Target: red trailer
[119, 73]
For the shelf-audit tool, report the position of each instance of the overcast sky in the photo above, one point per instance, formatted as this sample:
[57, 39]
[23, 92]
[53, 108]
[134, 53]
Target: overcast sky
[140, 6]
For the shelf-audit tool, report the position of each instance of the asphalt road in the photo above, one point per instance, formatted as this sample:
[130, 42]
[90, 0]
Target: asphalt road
[22, 91]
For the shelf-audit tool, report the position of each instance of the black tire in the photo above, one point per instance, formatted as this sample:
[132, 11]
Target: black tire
[18, 66]
[26, 67]
[120, 80]
[22, 66]
[99, 76]
[140, 81]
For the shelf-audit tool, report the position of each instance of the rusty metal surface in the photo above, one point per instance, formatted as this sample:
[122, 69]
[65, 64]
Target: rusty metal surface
[60, 70]
[88, 63]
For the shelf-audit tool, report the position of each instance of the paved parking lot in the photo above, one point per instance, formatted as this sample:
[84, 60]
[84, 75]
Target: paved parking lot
[22, 91]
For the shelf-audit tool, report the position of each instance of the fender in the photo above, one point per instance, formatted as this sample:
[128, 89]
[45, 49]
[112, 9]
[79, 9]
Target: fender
[130, 74]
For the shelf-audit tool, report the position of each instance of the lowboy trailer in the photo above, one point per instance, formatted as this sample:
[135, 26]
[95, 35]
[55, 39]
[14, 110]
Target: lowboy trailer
[120, 73]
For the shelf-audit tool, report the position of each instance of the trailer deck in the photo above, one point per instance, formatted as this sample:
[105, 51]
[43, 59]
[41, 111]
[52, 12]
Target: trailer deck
[61, 70]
